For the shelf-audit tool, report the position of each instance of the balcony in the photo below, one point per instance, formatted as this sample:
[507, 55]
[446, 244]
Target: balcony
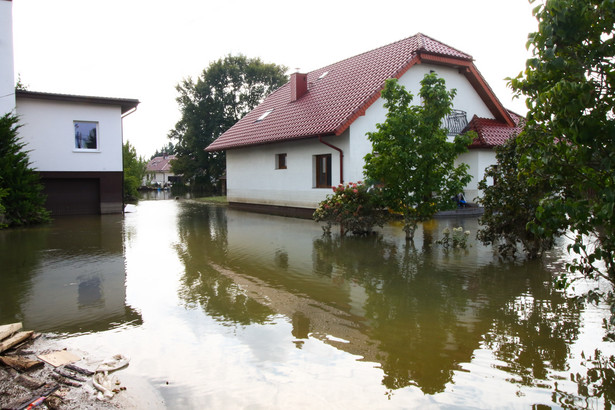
[455, 122]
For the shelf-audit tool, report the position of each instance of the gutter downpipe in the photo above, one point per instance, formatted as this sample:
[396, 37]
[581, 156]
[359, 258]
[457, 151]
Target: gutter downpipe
[341, 157]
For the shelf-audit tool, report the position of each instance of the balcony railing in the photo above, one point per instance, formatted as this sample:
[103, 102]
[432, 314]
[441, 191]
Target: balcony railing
[455, 122]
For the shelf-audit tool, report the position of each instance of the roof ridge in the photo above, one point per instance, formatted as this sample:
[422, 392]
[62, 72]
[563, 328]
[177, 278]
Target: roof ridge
[367, 52]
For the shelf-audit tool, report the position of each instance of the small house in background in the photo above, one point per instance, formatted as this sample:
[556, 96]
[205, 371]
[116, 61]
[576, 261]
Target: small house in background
[310, 134]
[158, 171]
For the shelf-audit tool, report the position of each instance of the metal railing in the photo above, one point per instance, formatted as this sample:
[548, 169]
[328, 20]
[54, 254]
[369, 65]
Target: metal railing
[455, 122]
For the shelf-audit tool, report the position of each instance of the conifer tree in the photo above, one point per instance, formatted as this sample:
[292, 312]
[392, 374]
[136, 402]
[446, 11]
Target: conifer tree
[20, 188]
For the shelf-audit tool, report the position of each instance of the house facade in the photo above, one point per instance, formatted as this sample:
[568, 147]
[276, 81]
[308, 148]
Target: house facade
[310, 134]
[158, 171]
[75, 143]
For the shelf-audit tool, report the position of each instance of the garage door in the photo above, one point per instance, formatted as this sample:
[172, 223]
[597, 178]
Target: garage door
[72, 196]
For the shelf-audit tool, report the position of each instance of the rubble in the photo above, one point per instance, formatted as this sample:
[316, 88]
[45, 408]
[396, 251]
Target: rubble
[34, 376]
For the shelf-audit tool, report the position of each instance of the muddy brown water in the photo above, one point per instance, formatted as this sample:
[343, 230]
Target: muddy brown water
[225, 309]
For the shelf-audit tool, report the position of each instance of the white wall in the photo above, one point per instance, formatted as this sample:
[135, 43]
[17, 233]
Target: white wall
[478, 160]
[49, 133]
[7, 69]
[252, 175]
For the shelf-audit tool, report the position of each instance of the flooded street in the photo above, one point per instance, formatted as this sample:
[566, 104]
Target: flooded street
[226, 309]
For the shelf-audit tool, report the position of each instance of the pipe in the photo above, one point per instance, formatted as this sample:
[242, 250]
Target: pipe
[341, 157]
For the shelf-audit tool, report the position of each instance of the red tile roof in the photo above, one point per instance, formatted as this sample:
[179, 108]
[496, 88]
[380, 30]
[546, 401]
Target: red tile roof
[491, 132]
[160, 164]
[333, 101]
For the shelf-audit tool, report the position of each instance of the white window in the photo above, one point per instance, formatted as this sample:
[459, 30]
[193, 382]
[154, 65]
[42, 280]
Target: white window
[86, 135]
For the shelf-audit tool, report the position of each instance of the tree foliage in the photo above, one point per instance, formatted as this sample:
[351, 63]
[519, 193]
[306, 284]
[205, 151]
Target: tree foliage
[226, 90]
[21, 194]
[510, 205]
[168, 149]
[134, 171]
[412, 158]
[569, 138]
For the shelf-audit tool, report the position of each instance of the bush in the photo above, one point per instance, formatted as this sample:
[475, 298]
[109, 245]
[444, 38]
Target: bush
[354, 206]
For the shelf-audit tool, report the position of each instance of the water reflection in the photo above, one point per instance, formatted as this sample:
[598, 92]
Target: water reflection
[68, 277]
[419, 311]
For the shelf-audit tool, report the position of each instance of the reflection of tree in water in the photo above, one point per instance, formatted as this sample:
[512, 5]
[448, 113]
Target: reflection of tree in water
[428, 316]
[20, 254]
[531, 333]
[203, 239]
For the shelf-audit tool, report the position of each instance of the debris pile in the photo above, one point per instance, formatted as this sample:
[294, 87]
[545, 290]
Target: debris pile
[51, 379]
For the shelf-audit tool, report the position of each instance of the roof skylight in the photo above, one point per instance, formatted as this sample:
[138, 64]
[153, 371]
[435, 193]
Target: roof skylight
[264, 115]
[323, 75]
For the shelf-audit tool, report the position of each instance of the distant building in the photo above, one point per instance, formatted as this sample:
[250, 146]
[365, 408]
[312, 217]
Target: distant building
[158, 171]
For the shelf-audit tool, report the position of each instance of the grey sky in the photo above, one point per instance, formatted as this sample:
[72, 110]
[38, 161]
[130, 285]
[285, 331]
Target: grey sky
[142, 49]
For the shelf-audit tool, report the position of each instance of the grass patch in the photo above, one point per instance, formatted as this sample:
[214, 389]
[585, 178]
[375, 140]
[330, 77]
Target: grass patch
[213, 200]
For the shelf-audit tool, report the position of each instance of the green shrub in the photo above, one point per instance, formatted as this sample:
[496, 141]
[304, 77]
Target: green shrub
[354, 206]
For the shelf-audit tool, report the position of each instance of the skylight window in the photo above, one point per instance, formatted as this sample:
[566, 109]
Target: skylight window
[323, 75]
[264, 115]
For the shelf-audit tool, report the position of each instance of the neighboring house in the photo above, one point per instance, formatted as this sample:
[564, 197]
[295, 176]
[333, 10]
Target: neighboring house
[158, 171]
[310, 134]
[74, 141]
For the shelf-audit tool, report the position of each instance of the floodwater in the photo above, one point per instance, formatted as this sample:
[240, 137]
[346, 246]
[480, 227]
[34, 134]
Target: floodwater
[225, 309]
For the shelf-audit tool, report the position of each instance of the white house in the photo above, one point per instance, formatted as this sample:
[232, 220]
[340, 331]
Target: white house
[74, 141]
[310, 134]
[158, 170]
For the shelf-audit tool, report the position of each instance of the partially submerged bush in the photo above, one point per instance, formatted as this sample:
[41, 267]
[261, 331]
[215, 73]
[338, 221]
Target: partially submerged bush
[458, 239]
[354, 206]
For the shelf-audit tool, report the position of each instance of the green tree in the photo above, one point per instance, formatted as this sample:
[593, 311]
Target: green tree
[168, 149]
[412, 158]
[20, 188]
[510, 205]
[134, 171]
[226, 90]
[569, 138]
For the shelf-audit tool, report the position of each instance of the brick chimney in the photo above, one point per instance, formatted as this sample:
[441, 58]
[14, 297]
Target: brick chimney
[298, 86]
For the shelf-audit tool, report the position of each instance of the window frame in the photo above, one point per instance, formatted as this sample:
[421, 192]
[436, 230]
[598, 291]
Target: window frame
[318, 171]
[92, 125]
[281, 161]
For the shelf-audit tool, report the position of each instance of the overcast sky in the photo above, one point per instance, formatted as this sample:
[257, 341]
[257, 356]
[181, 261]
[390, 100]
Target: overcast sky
[143, 48]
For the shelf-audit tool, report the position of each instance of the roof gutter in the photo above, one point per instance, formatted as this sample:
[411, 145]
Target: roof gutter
[341, 157]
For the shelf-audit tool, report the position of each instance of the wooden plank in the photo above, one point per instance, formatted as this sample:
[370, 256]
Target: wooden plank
[8, 330]
[59, 358]
[21, 363]
[14, 340]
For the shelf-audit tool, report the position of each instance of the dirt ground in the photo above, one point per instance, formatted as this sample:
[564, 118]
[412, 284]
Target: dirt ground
[18, 388]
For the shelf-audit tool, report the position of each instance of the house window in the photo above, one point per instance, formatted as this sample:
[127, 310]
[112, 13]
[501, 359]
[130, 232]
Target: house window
[323, 171]
[280, 161]
[86, 135]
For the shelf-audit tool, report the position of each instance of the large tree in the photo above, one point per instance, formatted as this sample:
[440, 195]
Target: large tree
[226, 90]
[412, 159]
[510, 205]
[569, 137]
[21, 199]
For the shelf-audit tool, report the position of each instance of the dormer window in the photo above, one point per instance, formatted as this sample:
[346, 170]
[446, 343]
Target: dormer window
[264, 115]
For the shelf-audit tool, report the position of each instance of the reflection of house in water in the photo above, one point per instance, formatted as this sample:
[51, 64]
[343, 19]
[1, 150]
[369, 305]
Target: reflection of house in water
[369, 297]
[78, 284]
